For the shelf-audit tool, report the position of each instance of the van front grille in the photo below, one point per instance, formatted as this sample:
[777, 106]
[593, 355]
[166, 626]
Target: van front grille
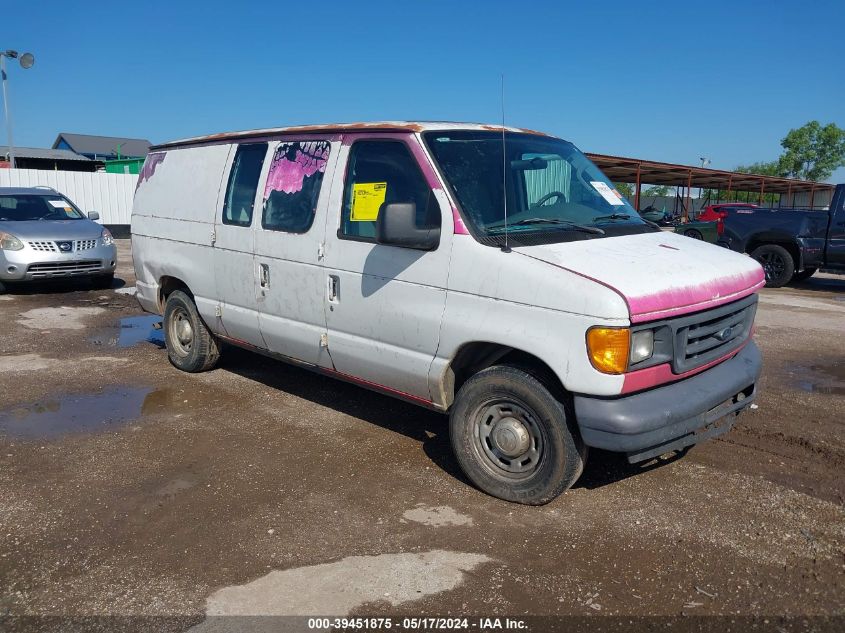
[712, 334]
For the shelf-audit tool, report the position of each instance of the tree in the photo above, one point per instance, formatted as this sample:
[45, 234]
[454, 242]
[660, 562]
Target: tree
[770, 168]
[657, 190]
[813, 151]
[625, 188]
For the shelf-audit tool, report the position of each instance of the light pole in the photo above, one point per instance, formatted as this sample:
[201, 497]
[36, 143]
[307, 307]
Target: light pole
[26, 61]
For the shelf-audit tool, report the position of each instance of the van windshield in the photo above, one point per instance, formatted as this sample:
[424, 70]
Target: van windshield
[554, 192]
[26, 207]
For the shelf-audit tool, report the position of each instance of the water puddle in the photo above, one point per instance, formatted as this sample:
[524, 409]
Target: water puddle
[75, 413]
[130, 331]
[827, 379]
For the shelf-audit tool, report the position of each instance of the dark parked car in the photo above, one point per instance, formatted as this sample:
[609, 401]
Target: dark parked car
[791, 245]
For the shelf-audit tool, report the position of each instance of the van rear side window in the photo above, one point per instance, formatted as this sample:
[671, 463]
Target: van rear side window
[293, 185]
[243, 184]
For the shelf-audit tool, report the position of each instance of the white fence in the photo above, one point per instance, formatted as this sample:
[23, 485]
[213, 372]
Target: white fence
[108, 194]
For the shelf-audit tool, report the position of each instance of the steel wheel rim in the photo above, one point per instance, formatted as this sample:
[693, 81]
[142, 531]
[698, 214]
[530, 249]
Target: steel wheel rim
[507, 438]
[181, 331]
[773, 265]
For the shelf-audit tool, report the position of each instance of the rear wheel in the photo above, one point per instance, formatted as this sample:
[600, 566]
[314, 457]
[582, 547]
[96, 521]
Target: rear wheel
[777, 264]
[190, 345]
[512, 437]
[804, 274]
[694, 234]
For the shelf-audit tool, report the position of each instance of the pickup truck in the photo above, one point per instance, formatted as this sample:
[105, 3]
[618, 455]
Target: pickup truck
[790, 244]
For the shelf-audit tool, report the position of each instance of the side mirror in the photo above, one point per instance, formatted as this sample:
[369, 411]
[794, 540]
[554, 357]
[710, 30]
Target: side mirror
[93, 215]
[397, 226]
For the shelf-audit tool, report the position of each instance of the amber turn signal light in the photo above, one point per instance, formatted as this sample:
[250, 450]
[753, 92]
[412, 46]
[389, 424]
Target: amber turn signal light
[608, 348]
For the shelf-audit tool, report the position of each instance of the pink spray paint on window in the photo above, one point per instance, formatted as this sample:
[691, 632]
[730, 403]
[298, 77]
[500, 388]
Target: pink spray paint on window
[293, 163]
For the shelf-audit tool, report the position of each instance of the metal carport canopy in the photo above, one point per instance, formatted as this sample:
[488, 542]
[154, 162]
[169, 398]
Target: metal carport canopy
[635, 170]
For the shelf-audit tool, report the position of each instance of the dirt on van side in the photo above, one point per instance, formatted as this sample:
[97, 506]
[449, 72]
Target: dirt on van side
[128, 488]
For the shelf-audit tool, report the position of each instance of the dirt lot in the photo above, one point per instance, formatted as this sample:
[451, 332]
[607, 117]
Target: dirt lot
[129, 488]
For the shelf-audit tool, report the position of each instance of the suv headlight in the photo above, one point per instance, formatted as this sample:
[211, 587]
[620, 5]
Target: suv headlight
[9, 242]
[107, 237]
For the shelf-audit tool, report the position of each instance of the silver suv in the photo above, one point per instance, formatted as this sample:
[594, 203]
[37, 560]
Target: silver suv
[43, 235]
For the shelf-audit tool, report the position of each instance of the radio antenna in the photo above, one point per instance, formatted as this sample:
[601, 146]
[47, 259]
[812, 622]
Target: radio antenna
[506, 248]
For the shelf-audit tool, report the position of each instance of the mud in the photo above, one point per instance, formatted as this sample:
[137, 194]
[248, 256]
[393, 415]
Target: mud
[828, 379]
[262, 488]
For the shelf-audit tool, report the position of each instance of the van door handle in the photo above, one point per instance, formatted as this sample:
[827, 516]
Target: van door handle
[334, 286]
[264, 275]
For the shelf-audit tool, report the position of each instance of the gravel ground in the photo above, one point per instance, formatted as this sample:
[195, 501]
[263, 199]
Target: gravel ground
[128, 488]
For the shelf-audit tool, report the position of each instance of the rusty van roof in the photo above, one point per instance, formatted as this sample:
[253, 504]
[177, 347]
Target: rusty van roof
[337, 128]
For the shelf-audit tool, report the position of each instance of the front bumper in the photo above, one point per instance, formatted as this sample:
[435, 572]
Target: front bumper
[648, 424]
[30, 265]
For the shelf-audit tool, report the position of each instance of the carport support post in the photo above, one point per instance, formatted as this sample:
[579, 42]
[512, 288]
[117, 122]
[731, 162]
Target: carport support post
[762, 189]
[637, 195]
[789, 195]
[689, 196]
[730, 183]
[812, 196]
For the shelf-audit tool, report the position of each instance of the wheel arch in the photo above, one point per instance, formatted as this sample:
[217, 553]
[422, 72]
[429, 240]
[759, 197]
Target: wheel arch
[476, 356]
[786, 241]
[166, 285]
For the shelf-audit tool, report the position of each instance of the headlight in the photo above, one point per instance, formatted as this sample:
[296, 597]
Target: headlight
[107, 237]
[608, 348]
[9, 242]
[642, 345]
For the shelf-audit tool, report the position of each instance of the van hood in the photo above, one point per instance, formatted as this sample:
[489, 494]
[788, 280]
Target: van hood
[53, 229]
[659, 275]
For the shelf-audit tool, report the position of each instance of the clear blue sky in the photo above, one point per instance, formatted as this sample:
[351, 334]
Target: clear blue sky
[660, 80]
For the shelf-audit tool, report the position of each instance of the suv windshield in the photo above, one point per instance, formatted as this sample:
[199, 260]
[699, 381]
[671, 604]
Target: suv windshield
[23, 207]
[554, 192]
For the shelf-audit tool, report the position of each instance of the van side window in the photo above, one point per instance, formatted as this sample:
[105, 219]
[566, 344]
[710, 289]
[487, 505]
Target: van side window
[293, 185]
[380, 172]
[243, 184]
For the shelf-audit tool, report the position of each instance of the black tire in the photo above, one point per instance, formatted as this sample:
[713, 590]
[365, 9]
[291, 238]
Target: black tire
[190, 346]
[535, 454]
[804, 275]
[694, 234]
[777, 264]
[103, 282]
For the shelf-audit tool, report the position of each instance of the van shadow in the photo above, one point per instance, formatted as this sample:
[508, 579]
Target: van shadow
[605, 468]
[429, 428]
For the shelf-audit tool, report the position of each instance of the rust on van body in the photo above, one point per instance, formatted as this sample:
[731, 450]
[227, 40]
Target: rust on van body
[335, 128]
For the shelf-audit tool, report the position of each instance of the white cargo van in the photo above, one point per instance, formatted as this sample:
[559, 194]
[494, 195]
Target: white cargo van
[493, 275]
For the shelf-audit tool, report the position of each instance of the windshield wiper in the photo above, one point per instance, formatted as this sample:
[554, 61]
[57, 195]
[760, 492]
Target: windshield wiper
[568, 223]
[612, 216]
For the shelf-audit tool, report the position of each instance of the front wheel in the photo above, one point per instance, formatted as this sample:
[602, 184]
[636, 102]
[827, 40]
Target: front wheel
[512, 437]
[190, 345]
[777, 263]
[694, 234]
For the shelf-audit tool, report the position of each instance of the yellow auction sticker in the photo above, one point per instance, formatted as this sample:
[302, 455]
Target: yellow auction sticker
[367, 197]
